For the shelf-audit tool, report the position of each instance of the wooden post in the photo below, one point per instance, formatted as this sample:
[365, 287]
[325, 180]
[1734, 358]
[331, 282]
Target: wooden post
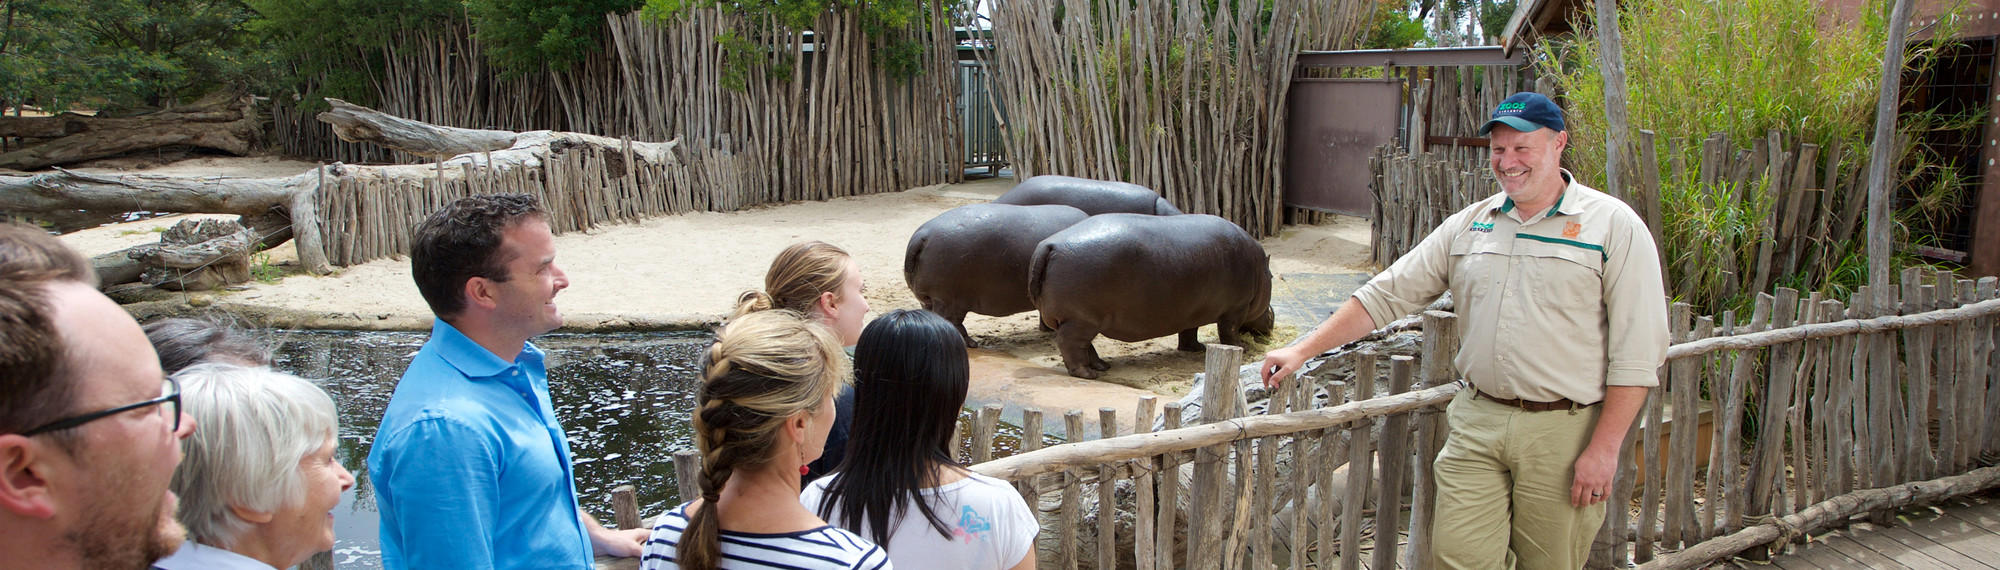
[687, 469]
[625, 507]
[982, 433]
[1360, 466]
[1611, 50]
[1144, 472]
[1068, 552]
[1211, 479]
[1031, 439]
[1882, 153]
[1170, 488]
[1440, 345]
[1107, 501]
[1395, 457]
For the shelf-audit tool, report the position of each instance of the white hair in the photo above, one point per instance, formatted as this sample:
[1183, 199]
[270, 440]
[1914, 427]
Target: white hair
[252, 426]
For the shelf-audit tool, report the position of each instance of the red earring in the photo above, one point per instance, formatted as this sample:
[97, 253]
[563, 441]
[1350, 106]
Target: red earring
[803, 470]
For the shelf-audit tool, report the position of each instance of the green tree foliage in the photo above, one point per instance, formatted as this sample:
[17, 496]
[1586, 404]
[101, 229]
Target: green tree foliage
[1697, 67]
[1394, 25]
[315, 58]
[523, 35]
[885, 22]
[122, 55]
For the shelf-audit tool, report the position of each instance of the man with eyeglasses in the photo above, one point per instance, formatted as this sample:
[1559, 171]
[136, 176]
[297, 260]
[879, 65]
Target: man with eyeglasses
[90, 428]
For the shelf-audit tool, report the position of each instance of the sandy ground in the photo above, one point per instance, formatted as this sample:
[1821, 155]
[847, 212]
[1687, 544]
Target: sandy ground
[691, 266]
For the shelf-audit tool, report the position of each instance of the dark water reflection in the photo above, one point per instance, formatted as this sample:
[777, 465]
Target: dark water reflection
[625, 401]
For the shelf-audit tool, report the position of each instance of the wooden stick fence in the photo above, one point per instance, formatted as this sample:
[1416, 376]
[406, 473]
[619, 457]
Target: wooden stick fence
[1168, 95]
[1817, 390]
[1812, 412]
[835, 126]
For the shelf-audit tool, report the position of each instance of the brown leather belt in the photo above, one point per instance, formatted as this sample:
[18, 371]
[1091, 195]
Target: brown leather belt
[1533, 406]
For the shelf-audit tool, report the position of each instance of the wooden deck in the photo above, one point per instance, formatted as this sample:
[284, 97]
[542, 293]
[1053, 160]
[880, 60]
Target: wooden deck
[1963, 533]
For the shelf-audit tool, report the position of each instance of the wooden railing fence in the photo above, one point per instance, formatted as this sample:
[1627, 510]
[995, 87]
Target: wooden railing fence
[1805, 414]
[1798, 408]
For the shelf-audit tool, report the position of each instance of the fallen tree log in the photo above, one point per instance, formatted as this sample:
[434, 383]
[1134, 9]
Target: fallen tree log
[294, 198]
[1825, 513]
[355, 123]
[227, 122]
[198, 256]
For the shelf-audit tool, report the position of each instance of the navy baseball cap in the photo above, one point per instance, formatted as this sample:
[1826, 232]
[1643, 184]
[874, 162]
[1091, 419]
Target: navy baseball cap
[1525, 111]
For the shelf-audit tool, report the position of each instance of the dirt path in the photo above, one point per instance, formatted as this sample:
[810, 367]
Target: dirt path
[688, 268]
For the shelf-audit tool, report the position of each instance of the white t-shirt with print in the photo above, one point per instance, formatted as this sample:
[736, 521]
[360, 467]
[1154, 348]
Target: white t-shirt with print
[992, 527]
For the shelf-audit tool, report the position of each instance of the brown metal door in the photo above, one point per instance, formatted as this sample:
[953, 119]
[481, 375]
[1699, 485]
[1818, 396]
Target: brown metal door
[1333, 127]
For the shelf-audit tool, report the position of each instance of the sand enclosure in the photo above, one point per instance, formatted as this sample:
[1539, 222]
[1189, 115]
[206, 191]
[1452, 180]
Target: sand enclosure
[692, 266]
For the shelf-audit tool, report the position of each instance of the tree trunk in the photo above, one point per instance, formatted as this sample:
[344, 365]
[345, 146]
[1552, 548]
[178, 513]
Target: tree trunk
[228, 123]
[355, 123]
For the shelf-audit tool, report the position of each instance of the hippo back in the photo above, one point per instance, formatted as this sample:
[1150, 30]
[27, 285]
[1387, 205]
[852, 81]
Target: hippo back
[1094, 197]
[975, 257]
[1141, 277]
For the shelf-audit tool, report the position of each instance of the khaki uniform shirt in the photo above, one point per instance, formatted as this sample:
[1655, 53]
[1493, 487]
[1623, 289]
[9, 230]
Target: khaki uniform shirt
[1554, 306]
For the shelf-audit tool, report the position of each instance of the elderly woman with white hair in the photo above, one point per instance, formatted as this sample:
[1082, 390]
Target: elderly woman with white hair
[259, 481]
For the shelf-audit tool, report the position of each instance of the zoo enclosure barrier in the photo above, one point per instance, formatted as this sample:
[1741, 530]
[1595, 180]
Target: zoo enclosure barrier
[1823, 411]
[1834, 410]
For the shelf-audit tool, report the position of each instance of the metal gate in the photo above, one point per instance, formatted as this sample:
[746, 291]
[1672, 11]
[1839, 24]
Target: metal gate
[977, 111]
[1326, 151]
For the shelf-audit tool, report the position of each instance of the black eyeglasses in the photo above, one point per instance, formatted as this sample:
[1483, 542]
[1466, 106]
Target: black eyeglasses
[169, 403]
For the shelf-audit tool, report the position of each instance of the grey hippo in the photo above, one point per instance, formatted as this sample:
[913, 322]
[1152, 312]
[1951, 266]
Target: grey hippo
[1133, 277]
[1092, 196]
[975, 258]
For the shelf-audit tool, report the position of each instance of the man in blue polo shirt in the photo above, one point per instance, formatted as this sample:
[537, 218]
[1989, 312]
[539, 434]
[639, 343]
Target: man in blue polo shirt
[470, 466]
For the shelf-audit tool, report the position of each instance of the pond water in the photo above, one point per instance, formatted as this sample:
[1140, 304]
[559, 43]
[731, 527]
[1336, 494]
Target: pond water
[623, 399]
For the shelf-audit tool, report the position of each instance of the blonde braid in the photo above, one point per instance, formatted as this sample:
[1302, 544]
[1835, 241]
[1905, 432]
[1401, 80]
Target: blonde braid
[764, 367]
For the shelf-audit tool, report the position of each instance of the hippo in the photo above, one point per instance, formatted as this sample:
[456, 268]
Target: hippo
[975, 258]
[1134, 277]
[1092, 196]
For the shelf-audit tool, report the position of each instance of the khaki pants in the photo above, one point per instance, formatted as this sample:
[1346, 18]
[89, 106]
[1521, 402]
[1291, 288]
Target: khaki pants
[1503, 484]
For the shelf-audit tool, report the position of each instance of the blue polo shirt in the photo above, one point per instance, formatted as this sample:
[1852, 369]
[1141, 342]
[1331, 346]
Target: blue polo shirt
[470, 467]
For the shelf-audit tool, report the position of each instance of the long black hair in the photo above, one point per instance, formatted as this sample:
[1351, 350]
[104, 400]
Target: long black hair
[910, 374]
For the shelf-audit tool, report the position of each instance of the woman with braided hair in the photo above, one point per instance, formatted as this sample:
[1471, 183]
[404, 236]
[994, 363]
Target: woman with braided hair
[904, 490]
[763, 412]
[821, 281]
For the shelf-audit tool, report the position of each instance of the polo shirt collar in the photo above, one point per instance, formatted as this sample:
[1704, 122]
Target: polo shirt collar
[1569, 187]
[471, 359]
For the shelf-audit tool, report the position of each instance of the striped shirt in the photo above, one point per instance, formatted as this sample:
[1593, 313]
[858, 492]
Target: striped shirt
[822, 547]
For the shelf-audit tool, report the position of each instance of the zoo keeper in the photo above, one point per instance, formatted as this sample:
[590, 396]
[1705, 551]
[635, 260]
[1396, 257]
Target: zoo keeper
[1558, 290]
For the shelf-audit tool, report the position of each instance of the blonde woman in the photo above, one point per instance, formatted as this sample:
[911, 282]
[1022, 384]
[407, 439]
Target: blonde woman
[763, 412]
[821, 281]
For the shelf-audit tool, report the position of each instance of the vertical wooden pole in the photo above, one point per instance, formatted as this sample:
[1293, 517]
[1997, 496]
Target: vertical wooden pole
[1395, 458]
[1882, 153]
[625, 507]
[687, 469]
[1145, 471]
[1107, 501]
[1611, 50]
[1068, 552]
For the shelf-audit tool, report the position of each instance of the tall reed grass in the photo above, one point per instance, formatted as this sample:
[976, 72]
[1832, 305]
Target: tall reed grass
[1744, 68]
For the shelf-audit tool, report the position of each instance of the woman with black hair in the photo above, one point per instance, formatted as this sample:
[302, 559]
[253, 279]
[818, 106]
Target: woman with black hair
[902, 489]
